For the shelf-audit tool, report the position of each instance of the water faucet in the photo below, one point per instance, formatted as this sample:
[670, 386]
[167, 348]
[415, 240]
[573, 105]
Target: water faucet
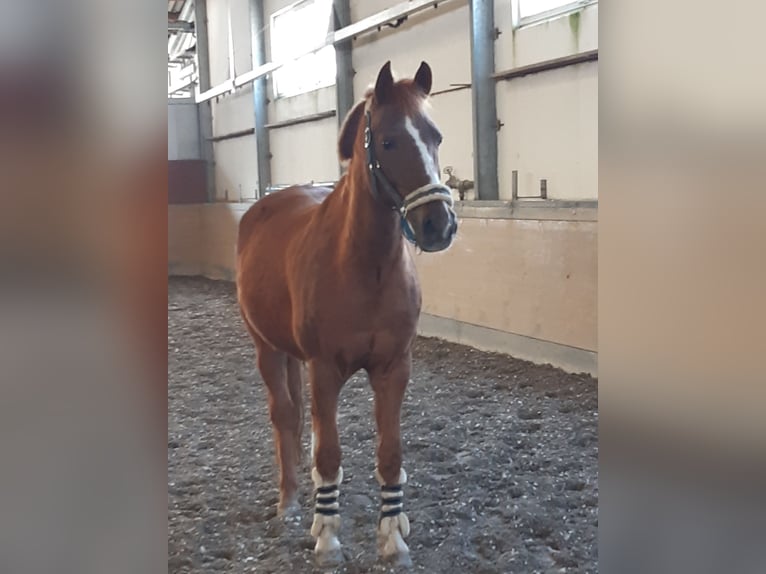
[460, 185]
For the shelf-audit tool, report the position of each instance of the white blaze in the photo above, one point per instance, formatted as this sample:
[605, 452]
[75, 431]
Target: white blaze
[425, 157]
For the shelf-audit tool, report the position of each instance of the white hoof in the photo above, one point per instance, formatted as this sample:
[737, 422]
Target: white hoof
[326, 526]
[329, 558]
[391, 534]
[289, 509]
[392, 530]
[327, 548]
[400, 560]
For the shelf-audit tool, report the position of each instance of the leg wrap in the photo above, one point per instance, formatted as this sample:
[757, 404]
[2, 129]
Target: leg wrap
[393, 525]
[326, 512]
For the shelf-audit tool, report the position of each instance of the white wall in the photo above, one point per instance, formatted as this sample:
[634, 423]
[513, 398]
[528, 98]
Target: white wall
[236, 169]
[551, 118]
[183, 131]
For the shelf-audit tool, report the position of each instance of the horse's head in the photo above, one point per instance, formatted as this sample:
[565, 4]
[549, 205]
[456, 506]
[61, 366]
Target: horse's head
[391, 137]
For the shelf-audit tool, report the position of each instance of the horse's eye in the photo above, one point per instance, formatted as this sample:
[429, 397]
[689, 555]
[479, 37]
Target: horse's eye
[388, 144]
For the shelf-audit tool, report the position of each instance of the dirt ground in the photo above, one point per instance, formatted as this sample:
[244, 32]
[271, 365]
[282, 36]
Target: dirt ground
[501, 455]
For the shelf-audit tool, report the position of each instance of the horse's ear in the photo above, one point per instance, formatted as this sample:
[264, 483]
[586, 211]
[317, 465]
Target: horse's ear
[424, 78]
[348, 131]
[384, 84]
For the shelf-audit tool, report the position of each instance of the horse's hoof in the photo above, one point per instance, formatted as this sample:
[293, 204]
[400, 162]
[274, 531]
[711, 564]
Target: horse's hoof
[329, 558]
[401, 559]
[289, 511]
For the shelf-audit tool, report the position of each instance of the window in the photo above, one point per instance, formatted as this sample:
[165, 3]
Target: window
[532, 11]
[294, 31]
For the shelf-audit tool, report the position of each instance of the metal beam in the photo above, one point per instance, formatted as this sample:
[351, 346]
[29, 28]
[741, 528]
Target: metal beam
[383, 17]
[182, 86]
[483, 99]
[180, 26]
[246, 78]
[349, 32]
[452, 88]
[233, 135]
[301, 120]
[260, 97]
[174, 48]
[344, 88]
[536, 68]
[187, 78]
[230, 42]
[546, 65]
[204, 112]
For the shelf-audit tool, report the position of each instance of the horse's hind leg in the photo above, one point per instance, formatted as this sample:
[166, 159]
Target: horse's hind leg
[295, 386]
[286, 419]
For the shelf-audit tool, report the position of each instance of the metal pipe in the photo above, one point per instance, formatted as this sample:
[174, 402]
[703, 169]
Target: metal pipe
[180, 26]
[344, 89]
[514, 185]
[368, 24]
[233, 135]
[204, 112]
[483, 99]
[230, 44]
[545, 65]
[260, 97]
[452, 88]
[301, 120]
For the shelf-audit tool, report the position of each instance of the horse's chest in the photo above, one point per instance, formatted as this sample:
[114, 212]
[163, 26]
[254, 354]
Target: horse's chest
[360, 320]
[373, 312]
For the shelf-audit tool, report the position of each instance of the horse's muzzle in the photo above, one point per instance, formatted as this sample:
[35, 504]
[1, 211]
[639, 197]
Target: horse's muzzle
[435, 225]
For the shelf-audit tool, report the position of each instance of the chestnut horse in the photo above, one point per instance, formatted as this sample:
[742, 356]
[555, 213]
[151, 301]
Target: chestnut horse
[324, 277]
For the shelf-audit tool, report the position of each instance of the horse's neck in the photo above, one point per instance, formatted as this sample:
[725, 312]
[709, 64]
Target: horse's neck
[371, 231]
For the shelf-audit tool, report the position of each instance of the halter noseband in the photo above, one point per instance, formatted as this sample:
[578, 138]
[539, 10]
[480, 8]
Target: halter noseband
[379, 182]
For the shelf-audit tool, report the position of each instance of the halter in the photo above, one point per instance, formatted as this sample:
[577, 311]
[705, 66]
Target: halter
[379, 182]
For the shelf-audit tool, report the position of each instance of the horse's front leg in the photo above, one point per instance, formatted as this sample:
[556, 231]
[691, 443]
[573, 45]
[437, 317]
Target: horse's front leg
[389, 383]
[326, 472]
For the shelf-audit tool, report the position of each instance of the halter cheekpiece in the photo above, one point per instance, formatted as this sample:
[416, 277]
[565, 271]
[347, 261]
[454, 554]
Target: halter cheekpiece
[380, 183]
